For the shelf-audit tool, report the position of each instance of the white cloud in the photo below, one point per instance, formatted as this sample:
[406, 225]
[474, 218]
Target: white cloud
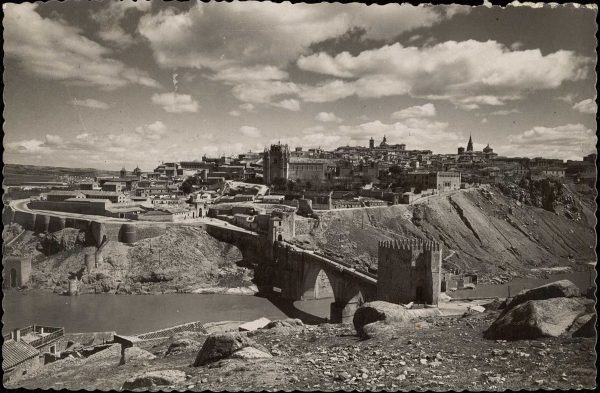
[569, 98]
[175, 103]
[326, 91]
[426, 110]
[247, 107]
[51, 49]
[504, 112]
[586, 106]
[328, 117]
[250, 33]
[109, 20]
[468, 73]
[235, 113]
[484, 120]
[263, 92]
[153, 131]
[571, 141]
[89, 103]
[290, 104]
[53, 140]
[250, 131]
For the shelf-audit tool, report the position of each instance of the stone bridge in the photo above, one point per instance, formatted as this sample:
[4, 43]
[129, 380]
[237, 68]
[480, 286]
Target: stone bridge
[299, 274]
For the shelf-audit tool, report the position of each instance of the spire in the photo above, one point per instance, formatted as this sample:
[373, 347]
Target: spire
[470, 144]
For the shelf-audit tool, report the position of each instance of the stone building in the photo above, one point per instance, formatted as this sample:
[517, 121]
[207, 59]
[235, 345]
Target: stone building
[409, 271]
[276, 163]
[439, 181]
[16, 271]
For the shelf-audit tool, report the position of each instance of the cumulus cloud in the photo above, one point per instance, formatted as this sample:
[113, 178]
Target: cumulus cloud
[51, 49]
[153, 131]
[426, 110]
[89, 103]
[250, 131]
[327, 117]
[27, 146]
[175, 103]
[109, 19]
[570, 141]
[250, 33]
[469, 73]
[586, 106]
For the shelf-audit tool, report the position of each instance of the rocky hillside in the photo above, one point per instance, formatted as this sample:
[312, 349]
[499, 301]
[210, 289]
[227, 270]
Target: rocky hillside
[183, 258]
[481, 229]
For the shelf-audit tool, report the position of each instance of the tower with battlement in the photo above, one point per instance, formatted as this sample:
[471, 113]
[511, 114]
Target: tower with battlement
[276, 163]
[409, 271]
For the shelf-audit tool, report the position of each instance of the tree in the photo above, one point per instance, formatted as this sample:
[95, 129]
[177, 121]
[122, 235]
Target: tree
[186, 186]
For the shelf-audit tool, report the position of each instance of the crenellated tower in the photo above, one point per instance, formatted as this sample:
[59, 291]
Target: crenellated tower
[409, 271]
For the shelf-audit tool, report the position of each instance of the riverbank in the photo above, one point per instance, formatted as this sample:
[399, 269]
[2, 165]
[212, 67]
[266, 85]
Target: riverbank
[448, 353]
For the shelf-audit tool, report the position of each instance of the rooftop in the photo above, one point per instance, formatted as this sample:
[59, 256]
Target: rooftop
[15, 352]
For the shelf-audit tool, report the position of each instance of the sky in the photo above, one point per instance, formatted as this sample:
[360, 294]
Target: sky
[120, 84]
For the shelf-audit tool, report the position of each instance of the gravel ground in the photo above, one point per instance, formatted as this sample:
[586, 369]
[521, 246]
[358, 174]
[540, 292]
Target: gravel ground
[450, 354]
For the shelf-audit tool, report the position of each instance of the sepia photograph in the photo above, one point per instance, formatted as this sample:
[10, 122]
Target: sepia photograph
[279, 196]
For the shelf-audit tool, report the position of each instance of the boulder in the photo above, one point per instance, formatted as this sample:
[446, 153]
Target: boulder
[394, 314]
[221, 345]
[154, 378]
[584, 326]
[250, 353]
[562, 288]
[538, 318]
[182, 345]
[285, 326]
[254, 325]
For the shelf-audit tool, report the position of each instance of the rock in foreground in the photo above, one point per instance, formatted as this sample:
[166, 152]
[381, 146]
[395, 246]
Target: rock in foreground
[154, 378]
[222, 345]
[562, 288]
[394, 314]
[539, 318]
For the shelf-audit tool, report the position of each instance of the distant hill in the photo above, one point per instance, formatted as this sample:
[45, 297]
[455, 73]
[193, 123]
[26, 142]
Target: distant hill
[15, 174]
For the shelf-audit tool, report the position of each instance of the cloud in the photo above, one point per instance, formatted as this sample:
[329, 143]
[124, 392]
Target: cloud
[570, 141]
[468, 73]
[89, 103]
[109, 19]
[247, 107]
[27, 146]
[414, 132]
[426, 110]
[252, 132]
[51, 49]
[328, 117]
[569, 98]
[251, 33]
[261, 92]
[175, 103]
[290, 104]
[245, 74]
[504, 112]
[586, 106]
[153, 131]
[484, 120]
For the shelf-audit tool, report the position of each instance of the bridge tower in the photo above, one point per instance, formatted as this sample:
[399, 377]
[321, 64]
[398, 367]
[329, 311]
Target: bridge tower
[409, 271]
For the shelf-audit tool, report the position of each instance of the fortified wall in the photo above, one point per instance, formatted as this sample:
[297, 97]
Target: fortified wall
[409, 271]
[96, 232]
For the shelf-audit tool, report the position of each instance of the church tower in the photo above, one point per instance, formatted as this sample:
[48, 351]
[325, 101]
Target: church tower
[371, 143]
[470, 144]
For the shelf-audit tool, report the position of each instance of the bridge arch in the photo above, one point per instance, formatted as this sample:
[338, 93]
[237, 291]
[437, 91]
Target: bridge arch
[318, 283]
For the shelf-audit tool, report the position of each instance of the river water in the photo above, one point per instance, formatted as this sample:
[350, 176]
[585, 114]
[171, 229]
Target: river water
[134, 314]
[583, 279]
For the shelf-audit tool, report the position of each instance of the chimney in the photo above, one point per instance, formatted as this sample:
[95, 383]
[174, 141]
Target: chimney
[16, 335]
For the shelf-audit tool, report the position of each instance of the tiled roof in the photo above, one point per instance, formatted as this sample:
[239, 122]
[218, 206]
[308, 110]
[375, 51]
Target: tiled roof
[302, 160]
[57, 192]
[14, 352]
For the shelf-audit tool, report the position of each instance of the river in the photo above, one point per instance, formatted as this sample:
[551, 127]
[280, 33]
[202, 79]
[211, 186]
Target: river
[582, 279]
[134, 314]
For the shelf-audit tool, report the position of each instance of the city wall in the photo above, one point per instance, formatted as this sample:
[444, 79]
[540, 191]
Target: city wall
[96, 232]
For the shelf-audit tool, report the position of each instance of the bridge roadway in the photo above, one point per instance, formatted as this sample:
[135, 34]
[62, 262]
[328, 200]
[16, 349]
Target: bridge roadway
[21, 205]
